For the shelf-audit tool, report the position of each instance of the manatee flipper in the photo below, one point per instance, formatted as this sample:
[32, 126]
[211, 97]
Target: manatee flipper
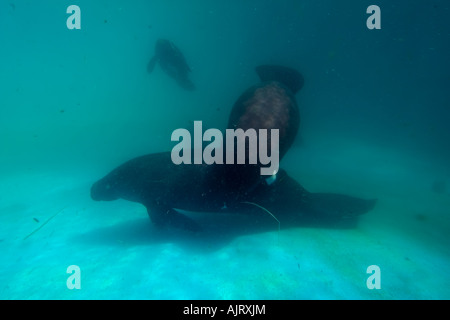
[289, 77]
[334, 205]
[163, 216]
[151, 64]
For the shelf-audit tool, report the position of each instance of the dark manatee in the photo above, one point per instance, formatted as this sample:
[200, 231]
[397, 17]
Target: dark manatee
[270, 104]
[161, 186]
[172, 61]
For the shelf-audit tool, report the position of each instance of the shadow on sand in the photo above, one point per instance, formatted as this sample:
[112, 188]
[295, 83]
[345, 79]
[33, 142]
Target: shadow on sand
[218, 230]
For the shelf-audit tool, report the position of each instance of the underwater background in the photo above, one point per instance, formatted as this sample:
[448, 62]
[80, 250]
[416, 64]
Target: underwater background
[74, 104]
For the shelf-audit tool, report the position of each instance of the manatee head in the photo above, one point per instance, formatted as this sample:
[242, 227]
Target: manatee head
[105, 189]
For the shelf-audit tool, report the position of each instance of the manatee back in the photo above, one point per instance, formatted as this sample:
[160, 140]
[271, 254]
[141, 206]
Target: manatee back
[269, 105]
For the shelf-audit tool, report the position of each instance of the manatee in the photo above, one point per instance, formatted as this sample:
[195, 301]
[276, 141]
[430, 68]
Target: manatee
[163, 187]
[173, 62]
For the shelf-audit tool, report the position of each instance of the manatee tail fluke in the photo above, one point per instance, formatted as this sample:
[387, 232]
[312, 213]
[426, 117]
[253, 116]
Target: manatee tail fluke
[151, 64]
[291, 78]
[338, 205]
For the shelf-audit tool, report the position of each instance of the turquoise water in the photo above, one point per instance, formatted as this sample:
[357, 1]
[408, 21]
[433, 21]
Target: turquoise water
[74, 104]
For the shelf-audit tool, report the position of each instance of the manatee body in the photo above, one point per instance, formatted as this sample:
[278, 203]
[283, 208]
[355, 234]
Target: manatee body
[269, 105]
[161, 186]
